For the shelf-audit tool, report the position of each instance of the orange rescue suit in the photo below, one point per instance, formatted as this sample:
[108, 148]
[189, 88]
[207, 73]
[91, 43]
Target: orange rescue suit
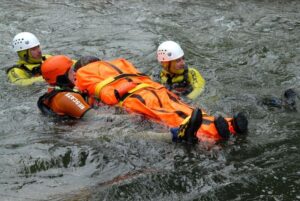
[118, 82]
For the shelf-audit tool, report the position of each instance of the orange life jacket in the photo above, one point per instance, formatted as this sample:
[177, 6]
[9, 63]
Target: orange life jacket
[63, 103]
[118, 82]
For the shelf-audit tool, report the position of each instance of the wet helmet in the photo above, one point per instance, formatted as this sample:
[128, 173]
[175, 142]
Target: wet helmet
[24, 41]
[54, 67]
[168, 51]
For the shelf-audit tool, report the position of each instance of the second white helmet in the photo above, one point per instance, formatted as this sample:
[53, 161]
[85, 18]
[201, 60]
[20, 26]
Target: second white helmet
[24, 41]
[168, 51]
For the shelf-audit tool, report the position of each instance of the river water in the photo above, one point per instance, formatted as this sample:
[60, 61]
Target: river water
[245, 49]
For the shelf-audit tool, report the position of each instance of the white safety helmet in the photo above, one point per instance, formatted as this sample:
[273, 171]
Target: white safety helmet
[24, 41]
[168, 51]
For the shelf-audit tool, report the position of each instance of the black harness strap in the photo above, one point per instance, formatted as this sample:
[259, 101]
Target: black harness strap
[155, 94]
[123, 75]
[183, 84]
[114, 67]
[142, 100]
[45, 109]
[173, 98]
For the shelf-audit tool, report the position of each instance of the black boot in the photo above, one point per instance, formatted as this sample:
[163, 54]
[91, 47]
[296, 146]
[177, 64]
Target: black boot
[222, 127]
[188, 130]
[240, 123]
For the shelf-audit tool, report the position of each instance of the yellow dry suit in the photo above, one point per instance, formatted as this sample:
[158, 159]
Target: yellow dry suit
[26, 72]
[190, 83]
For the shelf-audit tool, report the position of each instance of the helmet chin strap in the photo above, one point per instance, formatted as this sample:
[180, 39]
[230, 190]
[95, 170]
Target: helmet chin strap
[169, 66]
[26, 56]
[23, 55]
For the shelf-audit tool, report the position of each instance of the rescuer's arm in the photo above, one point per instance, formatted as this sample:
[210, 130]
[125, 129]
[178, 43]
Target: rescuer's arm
[197, 82]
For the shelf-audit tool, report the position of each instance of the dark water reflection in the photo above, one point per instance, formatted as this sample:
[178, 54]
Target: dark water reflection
[244, 49]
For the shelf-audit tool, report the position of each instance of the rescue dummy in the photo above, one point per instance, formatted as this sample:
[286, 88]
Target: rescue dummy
[175, 74]
[119, 83]
[62, 99]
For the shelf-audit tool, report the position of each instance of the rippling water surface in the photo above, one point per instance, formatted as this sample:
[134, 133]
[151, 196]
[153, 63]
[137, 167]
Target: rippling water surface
[245, 50]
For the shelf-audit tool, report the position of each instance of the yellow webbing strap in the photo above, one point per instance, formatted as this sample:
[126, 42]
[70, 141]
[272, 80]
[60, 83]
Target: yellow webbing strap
[138, 87]
[102, 84]
[109, 80]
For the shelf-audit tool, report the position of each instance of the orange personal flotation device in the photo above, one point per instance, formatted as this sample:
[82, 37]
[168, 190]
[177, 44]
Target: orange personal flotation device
[63, 102]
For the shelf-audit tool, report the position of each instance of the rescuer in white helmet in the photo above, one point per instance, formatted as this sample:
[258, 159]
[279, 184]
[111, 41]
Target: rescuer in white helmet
[175, 74]
[27, 70]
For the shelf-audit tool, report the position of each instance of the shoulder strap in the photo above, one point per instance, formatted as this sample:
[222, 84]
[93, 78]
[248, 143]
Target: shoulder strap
[120, 71]
[114, 67]
[186, 74]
